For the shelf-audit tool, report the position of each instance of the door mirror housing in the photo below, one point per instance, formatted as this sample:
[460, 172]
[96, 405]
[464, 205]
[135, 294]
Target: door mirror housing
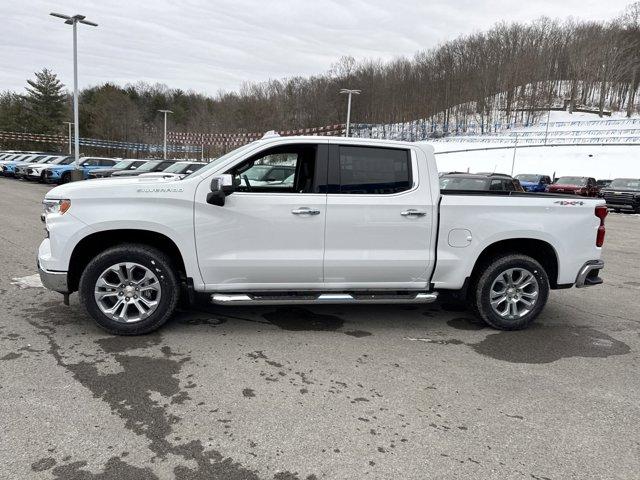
[221, 186]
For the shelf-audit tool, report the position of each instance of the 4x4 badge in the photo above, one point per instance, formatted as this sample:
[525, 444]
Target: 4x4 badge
[569, 202]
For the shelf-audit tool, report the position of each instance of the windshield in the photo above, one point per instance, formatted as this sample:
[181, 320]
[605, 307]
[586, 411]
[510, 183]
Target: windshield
[455, 183]
[218, 161]
[626, 183]
[147, 167]
[528, 178]
[122, 164]
[176, 168]
[63, 161]
[571, 181]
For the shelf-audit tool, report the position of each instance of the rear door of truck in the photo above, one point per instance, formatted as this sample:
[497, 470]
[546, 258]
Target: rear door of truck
[380, 218]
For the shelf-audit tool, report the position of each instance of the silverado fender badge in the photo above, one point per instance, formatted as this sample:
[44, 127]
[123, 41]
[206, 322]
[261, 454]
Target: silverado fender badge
[160, 190]
[569, 202]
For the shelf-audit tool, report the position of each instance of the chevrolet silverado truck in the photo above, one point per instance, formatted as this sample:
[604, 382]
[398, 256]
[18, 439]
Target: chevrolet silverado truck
[623, 194]
[360, 221]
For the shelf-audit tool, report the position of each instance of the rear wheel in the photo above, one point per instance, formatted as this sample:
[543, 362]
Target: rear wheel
[509, 292]
[66, 177]
[129, 289]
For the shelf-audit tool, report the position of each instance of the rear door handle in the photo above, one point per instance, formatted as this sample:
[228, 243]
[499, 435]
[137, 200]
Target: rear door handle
[305, 211]
[412, 212]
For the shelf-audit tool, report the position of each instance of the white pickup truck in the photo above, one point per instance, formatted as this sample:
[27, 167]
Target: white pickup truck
[359, 221]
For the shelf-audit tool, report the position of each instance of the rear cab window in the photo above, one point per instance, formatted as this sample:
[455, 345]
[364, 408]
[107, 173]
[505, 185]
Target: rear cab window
[370, 170]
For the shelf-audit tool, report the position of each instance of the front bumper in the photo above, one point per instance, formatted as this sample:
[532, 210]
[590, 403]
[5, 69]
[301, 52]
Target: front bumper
[56, 281]
[588, 274]
[623, 206]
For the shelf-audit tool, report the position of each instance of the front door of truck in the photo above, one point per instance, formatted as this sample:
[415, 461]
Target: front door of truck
[380, 219]
[270, 232]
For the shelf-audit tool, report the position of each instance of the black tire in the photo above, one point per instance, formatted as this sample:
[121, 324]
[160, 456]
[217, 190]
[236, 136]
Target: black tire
[479, 291]
[147, 256]
[65, 178]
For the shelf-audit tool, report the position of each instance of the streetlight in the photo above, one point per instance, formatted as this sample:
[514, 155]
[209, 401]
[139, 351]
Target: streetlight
[75, 175]
[165, 131]
[349, 92]
[69, 123]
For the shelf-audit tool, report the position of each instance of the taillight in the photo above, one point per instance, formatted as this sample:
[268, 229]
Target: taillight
[601, 212]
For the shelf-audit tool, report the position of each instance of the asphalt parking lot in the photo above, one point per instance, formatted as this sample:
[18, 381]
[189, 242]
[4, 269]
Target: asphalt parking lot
[332, 392]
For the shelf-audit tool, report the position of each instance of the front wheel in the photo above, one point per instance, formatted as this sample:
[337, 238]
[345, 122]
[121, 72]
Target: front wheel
[129, 289]
[510, 292]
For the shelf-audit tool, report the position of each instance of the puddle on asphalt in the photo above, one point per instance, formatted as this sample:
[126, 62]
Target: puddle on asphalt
[546, 344]
[300, 319]
[115, 344]
[464, 323]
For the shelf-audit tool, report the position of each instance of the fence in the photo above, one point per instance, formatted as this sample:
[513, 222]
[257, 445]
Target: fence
[418, 130]
[227, 141]
[61, 141]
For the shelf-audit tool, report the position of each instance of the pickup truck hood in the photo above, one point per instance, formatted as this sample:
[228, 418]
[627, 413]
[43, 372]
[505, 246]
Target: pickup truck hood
[102, 186]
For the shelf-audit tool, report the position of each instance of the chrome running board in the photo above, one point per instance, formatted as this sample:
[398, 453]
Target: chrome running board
[320, 298]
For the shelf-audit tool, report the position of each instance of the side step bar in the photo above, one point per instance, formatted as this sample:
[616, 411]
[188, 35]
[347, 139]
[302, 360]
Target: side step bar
[320, 298]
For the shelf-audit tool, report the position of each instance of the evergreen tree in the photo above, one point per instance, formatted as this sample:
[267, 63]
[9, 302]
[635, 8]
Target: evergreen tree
[46, 102]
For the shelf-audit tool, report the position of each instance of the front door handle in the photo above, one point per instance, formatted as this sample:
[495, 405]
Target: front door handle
[305, 211]
[412, 212]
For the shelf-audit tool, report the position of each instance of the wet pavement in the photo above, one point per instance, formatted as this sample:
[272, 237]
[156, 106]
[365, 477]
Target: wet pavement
[331, 392]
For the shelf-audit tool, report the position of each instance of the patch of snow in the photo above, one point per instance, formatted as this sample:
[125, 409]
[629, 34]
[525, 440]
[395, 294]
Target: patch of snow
[30, 281]
[599, 161]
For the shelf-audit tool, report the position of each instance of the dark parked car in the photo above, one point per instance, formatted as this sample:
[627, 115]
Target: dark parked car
[491, 182]
[533, 182]
[149, 166]
[583, 186]
[602, 184]
[623, 194]
[122, 165]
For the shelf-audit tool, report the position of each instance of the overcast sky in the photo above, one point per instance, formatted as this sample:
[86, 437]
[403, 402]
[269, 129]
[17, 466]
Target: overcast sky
[211, 45]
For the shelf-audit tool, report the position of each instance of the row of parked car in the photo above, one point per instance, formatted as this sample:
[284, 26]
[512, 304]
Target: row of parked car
[621, 194]
[56, 168]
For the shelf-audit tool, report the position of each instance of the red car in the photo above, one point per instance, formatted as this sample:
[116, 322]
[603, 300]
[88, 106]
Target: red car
[583, 186]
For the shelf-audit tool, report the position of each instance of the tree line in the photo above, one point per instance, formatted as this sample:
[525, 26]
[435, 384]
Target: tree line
[504, 75]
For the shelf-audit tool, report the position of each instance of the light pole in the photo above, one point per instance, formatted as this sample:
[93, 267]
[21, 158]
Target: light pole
[349, 92]
[69, 123]
[546, 130]
[165, 131]
[74, 22]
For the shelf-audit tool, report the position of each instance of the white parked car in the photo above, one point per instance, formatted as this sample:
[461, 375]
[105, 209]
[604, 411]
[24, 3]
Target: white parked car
[36, 171]
[364, 221]
[176, 171]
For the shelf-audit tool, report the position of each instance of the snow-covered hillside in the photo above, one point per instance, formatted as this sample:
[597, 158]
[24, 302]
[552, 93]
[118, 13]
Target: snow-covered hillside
[561, 156]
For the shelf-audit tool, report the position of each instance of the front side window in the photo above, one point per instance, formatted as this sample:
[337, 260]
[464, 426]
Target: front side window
[374, 170]
[286, 169]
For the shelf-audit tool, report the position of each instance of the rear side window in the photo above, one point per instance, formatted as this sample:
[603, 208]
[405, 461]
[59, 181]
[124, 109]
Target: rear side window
[107, 163]
[373, 170]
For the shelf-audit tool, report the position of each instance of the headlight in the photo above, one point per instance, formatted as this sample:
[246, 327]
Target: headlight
[56, 206]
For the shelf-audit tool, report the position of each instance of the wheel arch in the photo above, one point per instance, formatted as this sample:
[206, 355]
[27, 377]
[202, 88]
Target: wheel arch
[93, 244]
[540, 250]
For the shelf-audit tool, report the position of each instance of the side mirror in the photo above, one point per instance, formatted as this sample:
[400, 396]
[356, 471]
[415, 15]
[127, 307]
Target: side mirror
[221, 186]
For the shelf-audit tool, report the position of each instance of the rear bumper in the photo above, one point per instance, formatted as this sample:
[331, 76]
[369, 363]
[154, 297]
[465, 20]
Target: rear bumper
[56, 281]
[588, 274]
